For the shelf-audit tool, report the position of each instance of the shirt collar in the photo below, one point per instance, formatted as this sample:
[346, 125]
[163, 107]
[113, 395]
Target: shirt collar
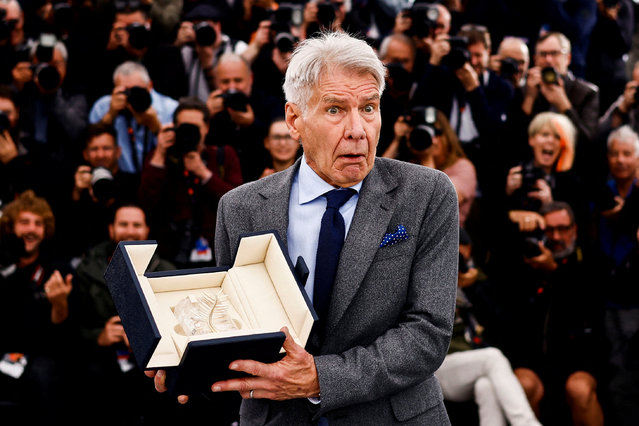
[311, 186]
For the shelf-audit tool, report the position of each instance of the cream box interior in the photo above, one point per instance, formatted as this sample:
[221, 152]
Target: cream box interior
[261, 290]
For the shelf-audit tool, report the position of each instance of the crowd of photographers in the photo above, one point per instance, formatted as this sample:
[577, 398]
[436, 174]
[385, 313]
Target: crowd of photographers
[129, 119]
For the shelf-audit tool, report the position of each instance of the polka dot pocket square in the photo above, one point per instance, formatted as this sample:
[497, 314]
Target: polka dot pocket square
[399, 235]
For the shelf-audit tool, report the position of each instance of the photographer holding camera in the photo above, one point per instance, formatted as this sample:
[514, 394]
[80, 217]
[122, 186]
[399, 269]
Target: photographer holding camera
[425, 137]
[201, 42]
[552, 325]
[136, 111]
[241, 114]
[182, 182]
[459, 83]
[548, 175]
[98, 184]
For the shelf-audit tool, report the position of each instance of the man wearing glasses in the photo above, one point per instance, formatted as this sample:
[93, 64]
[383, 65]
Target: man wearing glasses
[554, 323]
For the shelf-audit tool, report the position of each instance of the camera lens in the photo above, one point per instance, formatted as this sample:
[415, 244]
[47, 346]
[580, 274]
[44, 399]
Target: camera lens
[549, 75]
[284, 42]
[204, 34]
[102, 183]
[48, 76]
[187, 138]
[139, 98]
[139, 36]
[235, 100]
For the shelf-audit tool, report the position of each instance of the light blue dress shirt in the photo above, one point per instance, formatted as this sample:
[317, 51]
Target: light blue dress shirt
[144, 139]
[306, 207]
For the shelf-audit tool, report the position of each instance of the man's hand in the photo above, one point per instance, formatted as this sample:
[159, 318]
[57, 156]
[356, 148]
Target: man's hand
[57, 291]
[439, 47]
[619, 203]
[194, 164]
[166, 138]
[468, 77]
[8, 149]
[294, 376]
[149, 119]
[112, 333]
[514, 180]
[185, 34]
[82, 180]
[555, 94]
[215, 103]
[527, 220]
[118, 103]
[543, 192]
[544, 261]
[628, 99]
[242, 118]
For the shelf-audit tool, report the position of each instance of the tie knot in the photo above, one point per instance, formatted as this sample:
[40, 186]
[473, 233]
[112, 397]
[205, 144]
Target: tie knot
[337, 197]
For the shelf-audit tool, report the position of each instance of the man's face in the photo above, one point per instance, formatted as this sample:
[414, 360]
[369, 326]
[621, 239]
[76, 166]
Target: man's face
[341, 127]
[123, 20]
[129, 224]
[234, 75]
[195, 117]
[279, 142]
[15, 18]
[102, 151]
[561, 233]
[622, 159]
[478, 56]
[549, 53]
[30, 227]
[442, 25]
[400, 53]
[546, 147]
[7, 106]
[518, 52]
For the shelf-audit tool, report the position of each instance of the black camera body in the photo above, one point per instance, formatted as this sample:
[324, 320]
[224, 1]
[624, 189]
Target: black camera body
[424, 19]
[286, 16]
[5, 124]
[530, 242]
[47, 75]
[187, 139]
[549, 75]
[509, 67]
[235, 99]
[458, 55]
[139, 35]
[325, 13]
[529, 177]
[103, 184]
[400, 80]
[422, 120]
[138, 97]
[205, 34]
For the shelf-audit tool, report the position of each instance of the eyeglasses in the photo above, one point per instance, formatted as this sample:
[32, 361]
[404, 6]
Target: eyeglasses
[551, 53]
[562, 229]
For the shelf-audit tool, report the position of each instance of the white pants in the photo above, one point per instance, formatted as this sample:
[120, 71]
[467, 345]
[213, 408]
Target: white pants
[486, 375]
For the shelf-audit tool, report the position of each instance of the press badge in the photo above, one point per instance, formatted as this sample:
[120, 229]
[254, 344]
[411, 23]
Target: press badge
[13, 364]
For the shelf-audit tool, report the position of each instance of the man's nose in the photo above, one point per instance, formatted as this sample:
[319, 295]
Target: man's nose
[354, 126]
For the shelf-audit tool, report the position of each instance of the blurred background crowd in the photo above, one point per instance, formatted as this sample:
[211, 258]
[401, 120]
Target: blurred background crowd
[129, 119]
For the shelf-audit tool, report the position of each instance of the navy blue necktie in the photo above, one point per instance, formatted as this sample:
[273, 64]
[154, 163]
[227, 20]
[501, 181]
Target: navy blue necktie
[331, 239]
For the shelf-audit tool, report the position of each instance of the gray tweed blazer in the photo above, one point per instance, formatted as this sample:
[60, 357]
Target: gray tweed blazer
[392, 308]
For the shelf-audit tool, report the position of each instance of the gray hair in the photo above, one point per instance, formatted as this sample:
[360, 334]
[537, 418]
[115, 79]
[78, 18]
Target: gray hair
[327, 52]
[129, 68]
[624, 134]
[232, 57]
[402, 38]
[59, 46]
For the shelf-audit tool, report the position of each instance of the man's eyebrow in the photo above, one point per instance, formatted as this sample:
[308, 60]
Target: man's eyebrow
[336, 100]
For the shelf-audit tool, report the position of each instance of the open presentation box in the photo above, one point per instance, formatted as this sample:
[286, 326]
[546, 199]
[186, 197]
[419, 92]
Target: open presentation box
[261, 294]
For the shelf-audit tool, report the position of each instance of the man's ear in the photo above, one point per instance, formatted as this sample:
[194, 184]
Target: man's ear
[293, 113]
[111, 232]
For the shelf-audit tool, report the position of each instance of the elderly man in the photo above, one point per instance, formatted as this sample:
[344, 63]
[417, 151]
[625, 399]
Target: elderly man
[136, 111]
[386, 321]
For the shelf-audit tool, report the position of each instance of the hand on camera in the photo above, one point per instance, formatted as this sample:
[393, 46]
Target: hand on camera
[166, 138]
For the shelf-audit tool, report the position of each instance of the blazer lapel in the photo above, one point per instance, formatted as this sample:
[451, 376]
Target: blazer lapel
[374, 210]
[273, 213]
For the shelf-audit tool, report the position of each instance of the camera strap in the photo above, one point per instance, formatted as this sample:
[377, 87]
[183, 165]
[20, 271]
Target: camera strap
[137, 164]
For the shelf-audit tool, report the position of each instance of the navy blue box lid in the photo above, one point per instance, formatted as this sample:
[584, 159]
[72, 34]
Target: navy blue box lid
[202, 361]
